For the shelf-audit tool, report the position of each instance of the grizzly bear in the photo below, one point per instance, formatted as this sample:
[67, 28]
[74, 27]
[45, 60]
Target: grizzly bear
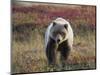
[58, 38]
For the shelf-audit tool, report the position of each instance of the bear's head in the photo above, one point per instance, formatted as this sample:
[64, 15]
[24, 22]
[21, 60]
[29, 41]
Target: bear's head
[59, 30]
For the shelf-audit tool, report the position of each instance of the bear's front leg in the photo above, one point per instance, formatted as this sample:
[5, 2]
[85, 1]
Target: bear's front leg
[64, 57]
[65, 49]
[51, 52]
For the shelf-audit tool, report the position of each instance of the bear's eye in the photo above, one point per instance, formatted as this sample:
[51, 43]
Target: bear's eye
[54, 33]
[63, 34]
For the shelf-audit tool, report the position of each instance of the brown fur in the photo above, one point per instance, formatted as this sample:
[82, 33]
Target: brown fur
[52, 49]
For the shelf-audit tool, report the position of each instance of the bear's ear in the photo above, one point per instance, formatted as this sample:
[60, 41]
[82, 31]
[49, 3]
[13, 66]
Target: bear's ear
[54, 23]
[66, 26]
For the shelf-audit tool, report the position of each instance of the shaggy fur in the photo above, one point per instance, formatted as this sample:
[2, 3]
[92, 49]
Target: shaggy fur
[58, 37]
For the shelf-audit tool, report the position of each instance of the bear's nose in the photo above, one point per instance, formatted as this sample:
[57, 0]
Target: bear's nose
[58, 40]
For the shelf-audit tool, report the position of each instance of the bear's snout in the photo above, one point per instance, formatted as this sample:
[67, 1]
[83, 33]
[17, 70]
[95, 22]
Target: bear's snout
[58, 40]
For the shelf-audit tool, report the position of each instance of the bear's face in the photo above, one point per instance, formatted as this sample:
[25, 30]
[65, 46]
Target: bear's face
[59, 32]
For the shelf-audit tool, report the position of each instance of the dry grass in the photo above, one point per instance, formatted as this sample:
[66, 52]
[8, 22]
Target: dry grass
[28, 54]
